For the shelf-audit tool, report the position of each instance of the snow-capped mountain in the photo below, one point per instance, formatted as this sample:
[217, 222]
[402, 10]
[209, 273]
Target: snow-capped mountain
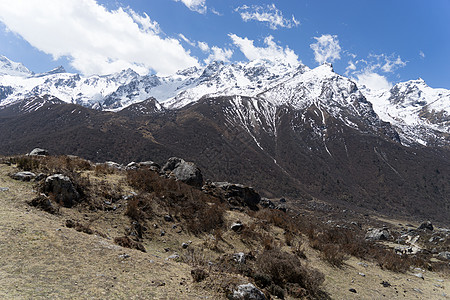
[8, 67]
[420, 114]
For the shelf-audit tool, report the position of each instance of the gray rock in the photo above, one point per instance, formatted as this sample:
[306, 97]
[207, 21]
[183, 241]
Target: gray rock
[4, 189]
[248, 292]
[186, 172]
[445, 255]
[168, 218]
[23, 176]
[266, 203]
[114, 165]
[426, 225]
[62, 188]
[38, 152]
[420, 275]
[239, 257]
[377, 234]
[174, 256]
[236, 226]
[242, 194]
[184, 245]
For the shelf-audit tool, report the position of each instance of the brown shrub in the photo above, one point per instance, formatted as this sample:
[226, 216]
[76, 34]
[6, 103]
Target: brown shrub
[79, 227]
[44, 203]
[284, 268]
[200, 212]
[333, 254]
[198, 274]
[126, 242]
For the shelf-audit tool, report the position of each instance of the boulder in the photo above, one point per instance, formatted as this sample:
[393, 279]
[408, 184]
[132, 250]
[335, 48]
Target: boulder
[241, 194]
[184, 171]
[114, 165]
[38, 152]
[23, 176]
[237, 226]
[426, 225]
[445, 255]
[150, 164]
[248, 292]
[378, 234]
[62, 188]
[266, 203]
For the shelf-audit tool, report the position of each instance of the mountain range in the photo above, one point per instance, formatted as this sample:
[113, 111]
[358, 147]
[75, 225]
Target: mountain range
[309, 134]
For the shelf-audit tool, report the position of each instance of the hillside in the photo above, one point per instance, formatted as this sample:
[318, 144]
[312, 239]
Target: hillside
[73, 252]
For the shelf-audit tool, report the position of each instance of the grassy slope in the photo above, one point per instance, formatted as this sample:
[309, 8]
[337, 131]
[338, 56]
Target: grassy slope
[40, 259]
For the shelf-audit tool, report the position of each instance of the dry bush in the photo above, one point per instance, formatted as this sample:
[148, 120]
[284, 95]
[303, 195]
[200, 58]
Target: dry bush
[126, 242]
[333, 254]
[26, 163]
[285, 269]
[79, 227]
[198, 274]
[139, 207]
[200, 212]
[103, 169]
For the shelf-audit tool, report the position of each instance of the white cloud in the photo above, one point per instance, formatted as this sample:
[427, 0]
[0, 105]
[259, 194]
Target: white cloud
[203, 46]
[271, 52]
[373, 81]
[326, 49]
[215, 53]
[422, 54]
[351, 66]
[391, 63]
[97, 41]
[268, 14]
[186, 40]
[195, 5]
[219, 54]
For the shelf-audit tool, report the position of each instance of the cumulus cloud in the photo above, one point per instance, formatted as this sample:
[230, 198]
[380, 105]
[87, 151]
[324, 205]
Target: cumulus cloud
[215, 53]
[267, 14]
[326, 49]
[195, 5]
[368, 71]
[373, 81]
[271, 52]
[96, 40]
[422, 54]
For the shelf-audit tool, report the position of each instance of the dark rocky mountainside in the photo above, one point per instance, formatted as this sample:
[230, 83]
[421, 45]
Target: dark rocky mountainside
[303, 153]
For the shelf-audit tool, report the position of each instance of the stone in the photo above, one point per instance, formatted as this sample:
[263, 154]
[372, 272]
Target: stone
[239, 257]
[4, 189]
[184, 171]
[62, 189]
[248, 292]
[23, 176]
[426, 225]
[174, 256]
[352, 290]
[114, 165]
[377, 234]
[244, 195]
[237, 226]
[419, 275]
[385, 284]
[283, 200]
[445, 255]
[184, 245]
[168, 218]
[266, 203]
[38, 152]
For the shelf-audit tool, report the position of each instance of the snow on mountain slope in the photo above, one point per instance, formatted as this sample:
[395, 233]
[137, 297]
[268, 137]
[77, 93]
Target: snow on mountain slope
[8, 67]
[420, 113]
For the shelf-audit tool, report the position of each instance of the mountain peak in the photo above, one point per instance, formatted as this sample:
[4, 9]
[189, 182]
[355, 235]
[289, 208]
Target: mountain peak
[9, 67]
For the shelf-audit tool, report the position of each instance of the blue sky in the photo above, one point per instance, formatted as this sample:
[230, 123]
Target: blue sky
[378, 43]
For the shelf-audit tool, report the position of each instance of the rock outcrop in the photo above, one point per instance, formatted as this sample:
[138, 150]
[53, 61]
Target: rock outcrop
[184, 171]
[62, 188]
